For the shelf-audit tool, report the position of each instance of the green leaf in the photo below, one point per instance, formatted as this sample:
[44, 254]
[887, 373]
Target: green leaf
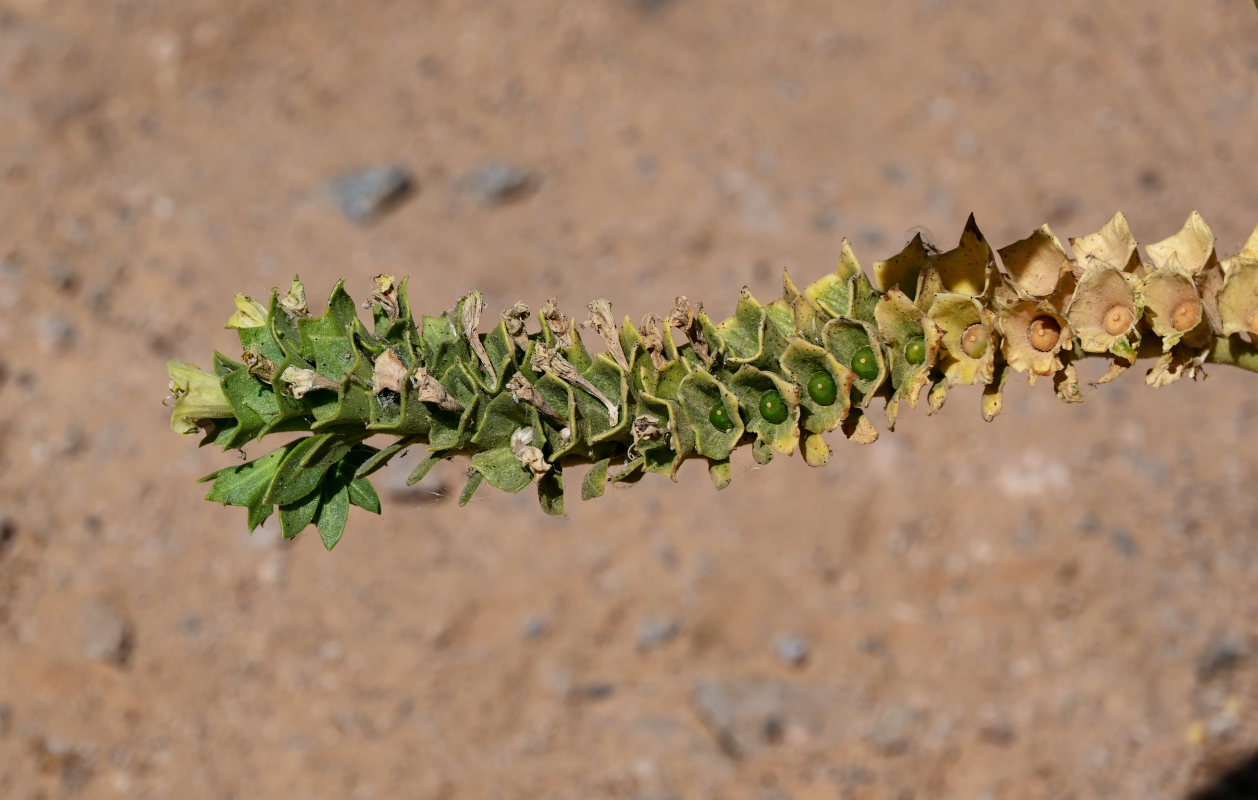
[258, 513]
[363, 495]
[246, 484]
[421, 469]
[595, 482]
[550, 492]
[473, 483]
[700, 393]
[326, 339]
[720, 473]
[242, 484]
[307, 463]
[294, 517]
[502, 469]
[333, 513]
[382, 457]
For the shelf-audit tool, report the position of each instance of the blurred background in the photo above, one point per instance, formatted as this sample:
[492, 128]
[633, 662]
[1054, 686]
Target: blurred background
[1058, 604]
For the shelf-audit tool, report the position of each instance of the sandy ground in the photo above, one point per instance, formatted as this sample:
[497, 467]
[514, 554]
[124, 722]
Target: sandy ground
[1059, 604]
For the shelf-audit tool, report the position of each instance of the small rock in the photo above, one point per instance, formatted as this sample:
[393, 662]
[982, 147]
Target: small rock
[353, 723]
[496, 183]
[6, 718]
[791, 650]
[8, 532]
[61, 276]
[106, 634]
[1088, 523]
[535, 627]
[56, 331]
[652, 6]
[1124, 543]
[854, 776]
[742, 716]
[872, 645]
[595, 691]
[648, 168]
[1000, 734]
[890, 733]
[70, 762]
[656, 632]
[1221, 656]
[365, 194]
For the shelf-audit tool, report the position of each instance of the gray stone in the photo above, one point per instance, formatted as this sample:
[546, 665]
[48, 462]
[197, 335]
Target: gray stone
[656, 632]
[1124, 543]
[1220, 657]
[56, 331]
[999, 733]
[69, 761]
[535, 627]
[8, 532]
[592, 692]
[106, 634]
[743, 716]
[365, 194]
[891, 732]
[494, 183]
[791, 650]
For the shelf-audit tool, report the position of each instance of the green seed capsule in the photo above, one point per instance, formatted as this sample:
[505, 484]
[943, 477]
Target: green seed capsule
[773, 407]
[821, 388]
[915, 350]
[719, 418]
[864, 364]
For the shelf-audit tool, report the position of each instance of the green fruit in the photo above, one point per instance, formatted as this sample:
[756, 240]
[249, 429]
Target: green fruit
[864, 364]
[822, 389]
[773, 407]
[915, 351]
[719, 418]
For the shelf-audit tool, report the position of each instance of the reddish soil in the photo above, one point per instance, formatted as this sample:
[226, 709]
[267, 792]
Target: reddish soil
[1059, 604]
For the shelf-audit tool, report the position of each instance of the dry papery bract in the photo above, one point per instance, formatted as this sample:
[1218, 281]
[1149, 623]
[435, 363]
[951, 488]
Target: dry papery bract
[525, 405]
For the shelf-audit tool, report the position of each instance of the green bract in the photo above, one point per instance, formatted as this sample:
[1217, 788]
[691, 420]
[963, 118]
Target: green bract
[524, 407]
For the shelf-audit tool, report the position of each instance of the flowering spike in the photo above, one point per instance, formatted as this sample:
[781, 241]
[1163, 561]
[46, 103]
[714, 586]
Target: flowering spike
[525, 404]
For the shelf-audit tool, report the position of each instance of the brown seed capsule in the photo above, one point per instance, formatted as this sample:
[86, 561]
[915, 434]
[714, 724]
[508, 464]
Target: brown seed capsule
[1118, 319]
[1186, 315]
[1044, 332]
[974, 340]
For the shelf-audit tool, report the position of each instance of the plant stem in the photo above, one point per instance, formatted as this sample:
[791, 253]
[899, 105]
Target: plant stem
[1234, 351]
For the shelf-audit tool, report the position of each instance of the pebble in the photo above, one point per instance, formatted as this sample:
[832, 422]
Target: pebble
[890, 733]
[742, 716]
[1000, 734]
[791, 650]
[71, 762]
[592, 692]
[656, 632]
[535, 627]
[1124, 543]
[56, 331]
[495, 183]
[1219, 657]
[8, 532]
[106, 634]
[365, 194]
